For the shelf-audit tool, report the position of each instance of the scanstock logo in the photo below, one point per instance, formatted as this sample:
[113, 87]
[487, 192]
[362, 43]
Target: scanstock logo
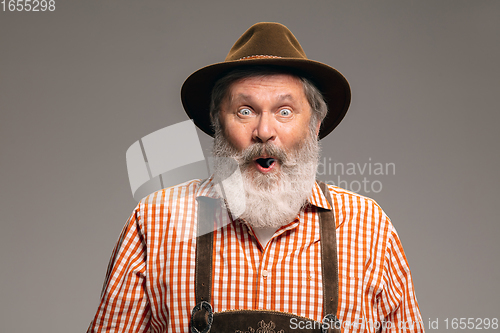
[164, 158]
[171, 156]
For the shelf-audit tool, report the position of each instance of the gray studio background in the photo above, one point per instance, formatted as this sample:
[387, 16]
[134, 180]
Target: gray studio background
[81, 84]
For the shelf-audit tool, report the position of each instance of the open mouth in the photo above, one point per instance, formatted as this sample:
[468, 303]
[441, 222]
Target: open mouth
[265, 164]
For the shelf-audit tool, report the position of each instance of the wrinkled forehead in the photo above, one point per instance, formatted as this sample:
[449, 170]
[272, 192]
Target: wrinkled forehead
[283, 86]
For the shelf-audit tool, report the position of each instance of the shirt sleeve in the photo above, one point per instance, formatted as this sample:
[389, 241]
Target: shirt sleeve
[124, 305]
[398, 303]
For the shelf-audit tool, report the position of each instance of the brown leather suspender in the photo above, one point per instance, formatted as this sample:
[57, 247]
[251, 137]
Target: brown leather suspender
[204, 249]
[329, 267]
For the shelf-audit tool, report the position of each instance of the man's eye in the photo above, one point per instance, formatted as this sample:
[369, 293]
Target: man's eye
[285, 112]
[245, 112]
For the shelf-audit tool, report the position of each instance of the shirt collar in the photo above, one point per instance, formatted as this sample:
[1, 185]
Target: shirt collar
[318, 199]
[206, 188]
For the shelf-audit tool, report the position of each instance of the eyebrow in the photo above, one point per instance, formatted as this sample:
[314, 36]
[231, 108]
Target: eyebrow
[246, 97]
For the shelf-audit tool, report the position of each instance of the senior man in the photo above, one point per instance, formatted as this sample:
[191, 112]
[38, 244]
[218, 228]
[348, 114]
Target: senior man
[270, 249]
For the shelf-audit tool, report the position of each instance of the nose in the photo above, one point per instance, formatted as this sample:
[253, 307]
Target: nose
[264, 130]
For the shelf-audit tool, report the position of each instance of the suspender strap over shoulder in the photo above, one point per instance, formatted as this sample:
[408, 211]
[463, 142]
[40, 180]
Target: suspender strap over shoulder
[329, 267]
[204, 249]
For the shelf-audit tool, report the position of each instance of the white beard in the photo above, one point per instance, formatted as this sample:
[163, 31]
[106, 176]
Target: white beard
[268, 200]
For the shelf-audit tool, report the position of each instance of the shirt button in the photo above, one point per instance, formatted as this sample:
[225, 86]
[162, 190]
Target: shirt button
[265, 274]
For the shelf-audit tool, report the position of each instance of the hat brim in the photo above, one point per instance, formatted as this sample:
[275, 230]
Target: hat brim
[196, 90]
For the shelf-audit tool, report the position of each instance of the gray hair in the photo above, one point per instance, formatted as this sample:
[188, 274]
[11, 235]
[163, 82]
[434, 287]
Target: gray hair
[221, 89]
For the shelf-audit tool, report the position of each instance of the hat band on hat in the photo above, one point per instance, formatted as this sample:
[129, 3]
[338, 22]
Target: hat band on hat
[260, 56]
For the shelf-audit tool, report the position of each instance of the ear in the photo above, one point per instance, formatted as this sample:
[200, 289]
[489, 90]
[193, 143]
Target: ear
[317, 128]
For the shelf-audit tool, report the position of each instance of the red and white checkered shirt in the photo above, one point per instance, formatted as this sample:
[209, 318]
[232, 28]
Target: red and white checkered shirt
[149, 285]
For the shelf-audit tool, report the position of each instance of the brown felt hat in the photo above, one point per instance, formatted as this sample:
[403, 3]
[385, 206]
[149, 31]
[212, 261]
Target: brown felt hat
[267, 44]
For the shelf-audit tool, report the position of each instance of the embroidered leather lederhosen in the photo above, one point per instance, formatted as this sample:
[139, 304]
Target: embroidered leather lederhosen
[204, 320]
